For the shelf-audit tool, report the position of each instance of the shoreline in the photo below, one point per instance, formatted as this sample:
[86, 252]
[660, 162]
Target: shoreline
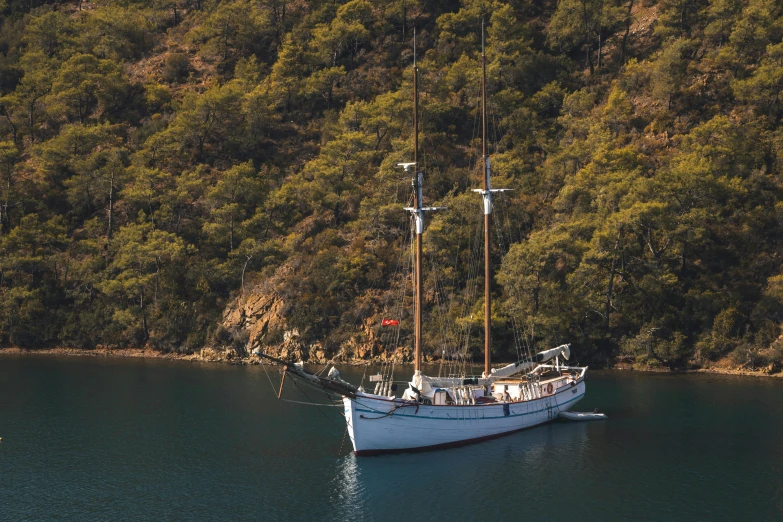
[140, 353]
[214, 357]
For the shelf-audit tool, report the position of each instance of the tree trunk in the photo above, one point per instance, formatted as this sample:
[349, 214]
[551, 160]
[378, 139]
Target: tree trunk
[624, 45]
[31, 120]
[33, 250]
[656, 254]
[203, 138]
[600, 29]
[231, 235]
[588, 47]
[226, 36]
[610, 289]
[143, 314]
[600, 48]
[404, 20]
[277, 23]
[152, 212]
[608, 303]
[5, 222]
[244, 267]
[683, 262]
[111, 205]
[537, 292]
[10, 124]
[157, 280]
[684, 16]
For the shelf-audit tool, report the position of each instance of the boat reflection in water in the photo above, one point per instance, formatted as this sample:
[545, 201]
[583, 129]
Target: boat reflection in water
[380, 483]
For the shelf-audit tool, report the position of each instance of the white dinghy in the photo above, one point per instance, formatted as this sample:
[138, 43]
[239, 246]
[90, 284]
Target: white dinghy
[582, 415]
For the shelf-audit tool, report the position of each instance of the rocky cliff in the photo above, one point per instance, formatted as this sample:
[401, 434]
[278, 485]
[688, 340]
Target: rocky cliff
[256, 320]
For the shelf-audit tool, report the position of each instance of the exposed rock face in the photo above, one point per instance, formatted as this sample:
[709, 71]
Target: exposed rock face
[259, 315]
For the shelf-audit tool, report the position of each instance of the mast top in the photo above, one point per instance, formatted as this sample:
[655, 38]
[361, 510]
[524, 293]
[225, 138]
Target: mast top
[414, 47]
[482, 36]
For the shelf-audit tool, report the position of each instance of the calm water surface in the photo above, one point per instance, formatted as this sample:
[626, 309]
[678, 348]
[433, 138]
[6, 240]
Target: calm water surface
[93, 439]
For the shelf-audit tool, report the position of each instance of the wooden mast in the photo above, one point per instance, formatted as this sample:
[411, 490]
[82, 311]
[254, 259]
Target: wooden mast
[418, 209]
[417, 204]
[487, 215]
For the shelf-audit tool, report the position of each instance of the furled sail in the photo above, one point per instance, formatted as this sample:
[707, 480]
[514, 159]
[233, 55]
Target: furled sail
[426, 384]
[528, 364]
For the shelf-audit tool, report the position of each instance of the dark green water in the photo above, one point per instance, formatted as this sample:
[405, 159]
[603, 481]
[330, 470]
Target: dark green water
[93, 439]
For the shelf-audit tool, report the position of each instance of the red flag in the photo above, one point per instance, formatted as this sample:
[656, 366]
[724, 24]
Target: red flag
[390, 322]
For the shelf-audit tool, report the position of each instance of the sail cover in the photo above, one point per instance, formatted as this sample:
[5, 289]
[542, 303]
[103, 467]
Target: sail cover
[539, 358]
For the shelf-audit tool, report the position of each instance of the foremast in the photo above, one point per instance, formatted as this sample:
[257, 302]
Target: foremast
[419, 215]
[417, 211]
[486, 194]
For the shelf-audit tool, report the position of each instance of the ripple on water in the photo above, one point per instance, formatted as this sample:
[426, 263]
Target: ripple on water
[87, 439]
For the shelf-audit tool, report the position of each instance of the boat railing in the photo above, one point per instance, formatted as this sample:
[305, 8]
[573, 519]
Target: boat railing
[463, 376]
[565, 379]
[580, 369]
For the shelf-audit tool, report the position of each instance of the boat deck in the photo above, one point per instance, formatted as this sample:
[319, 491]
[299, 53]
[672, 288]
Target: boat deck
[520, 390]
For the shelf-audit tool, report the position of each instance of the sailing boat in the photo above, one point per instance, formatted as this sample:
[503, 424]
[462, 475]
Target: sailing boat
[438, 412]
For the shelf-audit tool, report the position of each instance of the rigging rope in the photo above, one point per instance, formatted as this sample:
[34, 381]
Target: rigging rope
[313, 402]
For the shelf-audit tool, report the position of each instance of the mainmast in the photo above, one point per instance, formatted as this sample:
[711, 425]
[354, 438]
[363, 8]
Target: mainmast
[487, 213]
[486, 194]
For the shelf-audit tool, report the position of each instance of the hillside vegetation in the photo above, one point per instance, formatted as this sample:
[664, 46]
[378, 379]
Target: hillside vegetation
[160, 159]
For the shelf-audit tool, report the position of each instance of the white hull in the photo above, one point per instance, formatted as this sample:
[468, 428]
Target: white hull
[380, 424]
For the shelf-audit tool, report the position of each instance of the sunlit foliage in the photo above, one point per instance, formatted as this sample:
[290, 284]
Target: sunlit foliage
[155, 156]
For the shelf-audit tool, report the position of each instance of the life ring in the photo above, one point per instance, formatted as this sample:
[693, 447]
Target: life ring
[549, 388]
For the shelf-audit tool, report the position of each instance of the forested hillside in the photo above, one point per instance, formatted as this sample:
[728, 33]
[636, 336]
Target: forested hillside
[162, 160]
